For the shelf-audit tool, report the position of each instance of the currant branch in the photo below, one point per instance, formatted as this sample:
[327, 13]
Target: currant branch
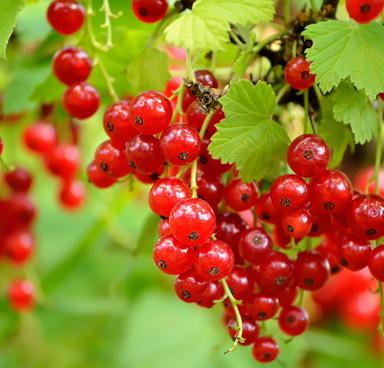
[107, 22]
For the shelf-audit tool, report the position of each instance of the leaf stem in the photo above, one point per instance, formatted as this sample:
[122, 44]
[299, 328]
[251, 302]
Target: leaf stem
[234, 302]
[379, 148]
[205, 124]
[108, 79]
[178, 107]
[236, 39]
[282, 92]
[307, 116]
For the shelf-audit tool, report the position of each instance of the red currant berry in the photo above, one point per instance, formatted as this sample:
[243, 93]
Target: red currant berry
[366, 216]
[63, 161]
[214, 260]
[297, 73]
[254, 245]
[165, 193]
[320, 225]
[192, 221]
[98, 177]
[21, 213]
[81, 100]
[289, 193]
[229, 227]
[72, 65]
[116, 122]
[240, 196]
[281, 239]
[293, 320]
[171, 256]
[144, 154]
[241, 282]
[189, 286]
[265, 349]
[151, 112]
[150, 178]
[297, 224]
[363, 11]
[376, 263]
[262, 307]
[251, 330]
[266, 210]
[214, 291]
[66, 16]
[40, 137]
[311, 270]
[180, 144]
[208, 164]
[354, 254]
[211, 189]
[308, 155]
[286, 296]
[172, 85]
[149, 11]
[19, 179]
[1, 146]
[19, 247]
[164, 228]
[72, 194]
[331, 193]
[21, 295]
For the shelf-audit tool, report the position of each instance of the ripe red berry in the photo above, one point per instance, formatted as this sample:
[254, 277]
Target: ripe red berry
[366, 216]
[164, 228]
[144, 154]
[21, 212]
[151, 112]
[293, 320]
[66, 16]
[208, 164]
[81, 100]
[19, 179]
[165, 193]
[286, 296]
[331, 192]
[72, 194]
[308, 155]
[116, 122]
[289, 193]
[149, 11]
[63, 161]
[297, 224]
[171, 256]
[211, 189]
[229, 227]
[251, 330]
[297, 73]
[40, 137]
[254, 245]
[180, 144]
[363, 11]
[19, 246]
[266, 210]
[241, 282]
[265, 349]
[240, 196]
[149, 178]
[192, 221]
[214, 260]
[214, 291]
[189, 286]
[21, 295]
[376, 263]
[320, 225]
[311, 270]
[262, 306]
[354, 254]
[98, 177]
[72, 65]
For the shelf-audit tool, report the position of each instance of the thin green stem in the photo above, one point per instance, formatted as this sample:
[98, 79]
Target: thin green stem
[237, 40]
[205, 124]
[379, 148]
[283, 90]
[89, 30]
[3, 164]
[193, 185]
[234, 302]
[178, 107]
[307, 117]
[108, 79]
[276, 36]
[106, 8]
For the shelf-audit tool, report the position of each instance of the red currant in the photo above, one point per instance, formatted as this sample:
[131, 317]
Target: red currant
[19, 179]
[297, 224]
[72, 194]
[21, 295]
[254, 245]
[240, 196]
[164, 228]
[354, 254]
[320, 225]
[293, 320]
[363, 11]
[214, 291]
[208, 164]
[251, 330]
[19, 246]
[211, 189]
[63, 161]
[40, 137]
[66, 16]
[21, 212]
[150, 178]
[241, 282]
[297, 73]
[149, 11]
[265, 349]
[98, 177]
[262, 307]
[266, 210]
[376, 263]
[189, 286]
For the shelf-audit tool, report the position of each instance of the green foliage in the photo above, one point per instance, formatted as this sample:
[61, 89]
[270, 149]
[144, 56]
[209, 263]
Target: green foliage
[8, 13]
[149, 70]
[205, 27]
[345, 49]
[351, 107]
[248, 136]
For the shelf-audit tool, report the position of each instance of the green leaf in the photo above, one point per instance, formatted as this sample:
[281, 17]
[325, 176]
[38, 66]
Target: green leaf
[241, 63]
[351, 107]
[149, 70]
[205, 27]
[345, 49]
[48, 91]
[248, 136]
[337, 135]
[8, 13]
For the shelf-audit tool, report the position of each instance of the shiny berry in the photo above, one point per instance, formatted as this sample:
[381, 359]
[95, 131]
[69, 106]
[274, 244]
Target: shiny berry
[289, 193]
[144, 154]
[331, 192]
[165, 193]
[21, 212]
[297, 73]
[251, 330]
[192, 221]
[189, 286]
[40, 137]
[20, 246]
[81, 100]
[164, 228]
[265, 349]
[72, 194]
[63, 161]
[151, 112]
[376, 263]
[208, 164]
[266, 210]
[293, 320]
[72, 65]
[262, 306]
[229, 227]
[211, 189]
[66, 16]
[366, 216]
[308, 155]
[240, 196]
[149, 11]
[180, 144]
[149, 178]
[320, 225]
[18, 179]
[254, 245]
[21, 295]
[354, 254]
[363, 11]
[171, 256]
[214, 260]
[311, 270]
[213, 292]
[241, 282]
[297, 224]
[98, 177]
[286, 296]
